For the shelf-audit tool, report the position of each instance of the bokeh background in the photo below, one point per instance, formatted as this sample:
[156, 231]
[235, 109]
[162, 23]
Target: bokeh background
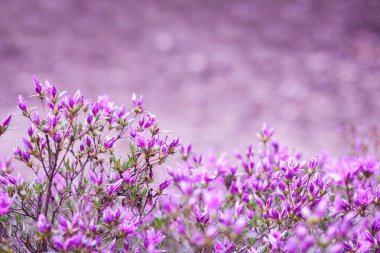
[212, 71]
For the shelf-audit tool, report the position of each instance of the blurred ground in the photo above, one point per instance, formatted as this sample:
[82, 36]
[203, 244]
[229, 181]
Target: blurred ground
[212, 71]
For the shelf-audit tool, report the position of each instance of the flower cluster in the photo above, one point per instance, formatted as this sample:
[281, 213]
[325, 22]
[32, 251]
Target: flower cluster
[85, 196]
[95, 189]
[272, 200]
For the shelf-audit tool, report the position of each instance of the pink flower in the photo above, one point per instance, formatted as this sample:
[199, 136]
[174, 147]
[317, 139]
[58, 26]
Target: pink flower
[37, 86]
[213, 199]
[21, 103]
[275, 239]
[42, 224]
[6, 121]
[152, 238]
[141, 140]
[239, 225]
[114, 187]
[109, 142]
[363, 196]
[5, 202]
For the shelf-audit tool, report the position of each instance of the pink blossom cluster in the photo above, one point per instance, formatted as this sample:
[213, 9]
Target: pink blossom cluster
[95, 188]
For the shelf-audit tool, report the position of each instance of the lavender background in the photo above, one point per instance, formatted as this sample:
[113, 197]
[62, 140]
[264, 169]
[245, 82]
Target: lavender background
[212, 71]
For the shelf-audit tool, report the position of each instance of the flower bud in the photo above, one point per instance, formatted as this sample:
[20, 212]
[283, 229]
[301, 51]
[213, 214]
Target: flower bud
[22, 104]
[37, 86]
[6, 121]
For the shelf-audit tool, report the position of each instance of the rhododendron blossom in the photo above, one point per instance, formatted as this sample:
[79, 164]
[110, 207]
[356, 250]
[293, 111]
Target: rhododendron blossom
[103, 183]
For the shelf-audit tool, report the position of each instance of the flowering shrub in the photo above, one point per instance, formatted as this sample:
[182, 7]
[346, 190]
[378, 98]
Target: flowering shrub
[84, 197]
[95, 190]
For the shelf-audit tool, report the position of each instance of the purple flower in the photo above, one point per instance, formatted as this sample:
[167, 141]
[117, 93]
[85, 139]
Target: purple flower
[128, 179]
[275, 239]
[59, 182]
[213, 199]
[90, 117]
[96, 179]
[12, 180]
[201, 217]
[114, 187]
[174, 143]
[128, 228]
[21, 103]
[108, 215]
[42, 224]
[313, 163]
[31, 130]
[51, 90]
[151, 142]
[185, 151]
[259, 201]
[137, 103]
[363, 196]
[165, 184]
[57, 137]
[140, 140]
[5, 202]
[291, 168]
[109, 142]
[225, 247]
[339, 205]
[126, 244]
[6, 121]
[153, 238]
[112, 246]
[3, 180]
[36, 118]
[27, 143]
[121, 112]
[58, 243]
[37, 86]
[265, 134]
[63, 225]
[239, 225]
[93, 176]
[74, 242]
[369, 237]
[225, 217]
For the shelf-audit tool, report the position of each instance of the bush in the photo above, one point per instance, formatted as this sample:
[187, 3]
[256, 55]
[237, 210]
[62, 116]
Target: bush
[87, 198]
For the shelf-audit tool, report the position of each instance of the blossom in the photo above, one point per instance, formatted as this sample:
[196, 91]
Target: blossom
[165, 184]
[152, 238]
[112, 188]
[27, 143]
[5, 202]
[138, 103]
[37, 86]
[225, 247]
[275, 239]
[265, 134]
[141, 140]
[21, 103]
[6, 121]
[239, 225]
[313, 162]
[213, 199]
[363, 196]
[109, 215]
[103, 200]
[339, 205]
[42, 224]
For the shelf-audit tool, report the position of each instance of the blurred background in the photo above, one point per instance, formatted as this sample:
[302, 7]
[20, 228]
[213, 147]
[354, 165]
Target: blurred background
[212, 71]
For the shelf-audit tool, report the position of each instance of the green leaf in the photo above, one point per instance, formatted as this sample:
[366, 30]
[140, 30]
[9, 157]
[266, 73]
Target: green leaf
[132, 147]
[38, 187]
